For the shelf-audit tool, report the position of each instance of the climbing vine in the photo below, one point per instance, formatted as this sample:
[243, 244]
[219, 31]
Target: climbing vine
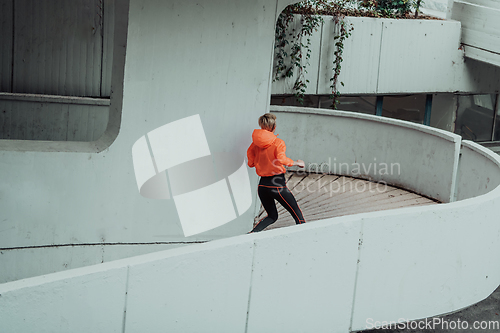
[292, 53]
[345, 30]
[293, 45]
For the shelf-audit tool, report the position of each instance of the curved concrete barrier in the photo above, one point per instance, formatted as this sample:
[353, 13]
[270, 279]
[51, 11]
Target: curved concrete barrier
[478, 173]
[341, 274]
[412, 156]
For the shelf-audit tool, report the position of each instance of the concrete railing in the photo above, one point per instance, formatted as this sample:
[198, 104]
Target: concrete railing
[404, 154]
[480, 29]
[478, 174]
[330, 275]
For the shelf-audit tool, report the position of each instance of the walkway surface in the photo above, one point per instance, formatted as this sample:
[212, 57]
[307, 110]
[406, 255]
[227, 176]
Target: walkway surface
[322, 196]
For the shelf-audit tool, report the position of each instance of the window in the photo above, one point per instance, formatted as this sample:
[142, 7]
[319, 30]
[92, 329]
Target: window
[310, 101]
[55, 68]
[496, 126]
[475, 115]
[409, 108]
[362, 104]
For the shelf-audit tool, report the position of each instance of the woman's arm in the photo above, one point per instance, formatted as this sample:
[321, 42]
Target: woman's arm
[251, 156]
[283, 159]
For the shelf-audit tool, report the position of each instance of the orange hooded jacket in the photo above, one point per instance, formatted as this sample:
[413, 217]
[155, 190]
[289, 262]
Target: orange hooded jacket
[267, 154]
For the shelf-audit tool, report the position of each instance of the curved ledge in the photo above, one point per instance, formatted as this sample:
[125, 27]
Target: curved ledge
[103, 142]
[54, 99]
[353, 115]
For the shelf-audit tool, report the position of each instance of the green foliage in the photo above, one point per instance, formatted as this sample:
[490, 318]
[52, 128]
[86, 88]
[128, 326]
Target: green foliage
[416, 6]
[391, 7]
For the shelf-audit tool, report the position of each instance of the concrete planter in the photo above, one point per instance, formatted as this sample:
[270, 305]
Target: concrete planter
[389, 56]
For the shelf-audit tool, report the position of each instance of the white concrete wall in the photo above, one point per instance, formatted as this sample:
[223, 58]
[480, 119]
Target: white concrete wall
[183, 58]
[437, 8]
[326, 276]
[66, 302]
[412, 156]
[387, 56]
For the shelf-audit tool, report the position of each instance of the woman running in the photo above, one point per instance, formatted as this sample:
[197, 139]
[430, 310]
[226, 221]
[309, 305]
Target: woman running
[267, 155]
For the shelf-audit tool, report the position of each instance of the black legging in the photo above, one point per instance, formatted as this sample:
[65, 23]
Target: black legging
[274, 188]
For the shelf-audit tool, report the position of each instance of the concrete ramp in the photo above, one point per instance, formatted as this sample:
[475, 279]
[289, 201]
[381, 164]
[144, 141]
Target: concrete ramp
[325, 276]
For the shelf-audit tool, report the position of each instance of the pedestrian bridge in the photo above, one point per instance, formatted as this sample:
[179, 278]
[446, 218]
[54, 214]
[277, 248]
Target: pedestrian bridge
[329, 275]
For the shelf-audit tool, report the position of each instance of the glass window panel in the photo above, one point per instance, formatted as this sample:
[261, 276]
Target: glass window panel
[310, 101]
[444, 111]
[475, 117]
[496, 136]
[409, 108]
[363, 104]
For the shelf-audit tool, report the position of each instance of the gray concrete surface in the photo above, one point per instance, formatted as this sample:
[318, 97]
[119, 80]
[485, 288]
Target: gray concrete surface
[485, 313]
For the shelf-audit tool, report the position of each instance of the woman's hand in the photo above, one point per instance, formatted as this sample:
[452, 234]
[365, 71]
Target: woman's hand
[299, 163]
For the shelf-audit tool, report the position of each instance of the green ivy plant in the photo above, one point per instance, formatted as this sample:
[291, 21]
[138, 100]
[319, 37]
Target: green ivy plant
[293, 49]
[390, 8]
[345, 30]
